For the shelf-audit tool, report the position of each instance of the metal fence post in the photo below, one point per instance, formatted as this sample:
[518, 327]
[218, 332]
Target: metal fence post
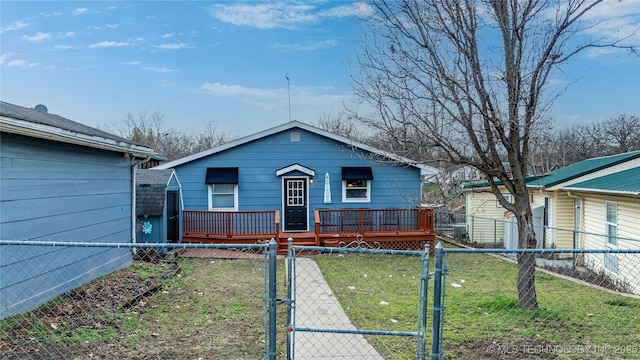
[424, 290]
[273, 250]
[495, 232]
[436, 351]
[290, 274]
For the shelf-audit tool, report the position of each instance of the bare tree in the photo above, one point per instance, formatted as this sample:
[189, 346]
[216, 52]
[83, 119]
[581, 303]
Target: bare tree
[616, 135]
[150, 129]
[340, 125]
[623, 132]
[470, 78]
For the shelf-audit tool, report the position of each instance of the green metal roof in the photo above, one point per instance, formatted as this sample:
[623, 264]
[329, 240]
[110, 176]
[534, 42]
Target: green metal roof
[567, 173]
[582, 168]
[625, 182]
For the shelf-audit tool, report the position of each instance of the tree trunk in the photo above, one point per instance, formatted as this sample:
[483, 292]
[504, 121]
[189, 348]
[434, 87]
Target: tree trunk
[527, 298]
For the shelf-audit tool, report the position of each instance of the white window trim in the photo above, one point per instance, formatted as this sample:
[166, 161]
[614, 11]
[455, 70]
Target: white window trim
[506, 196]
[607, 223]
[351, 200]
[235, 198]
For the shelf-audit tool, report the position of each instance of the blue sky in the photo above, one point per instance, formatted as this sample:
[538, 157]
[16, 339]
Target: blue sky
[226, 62]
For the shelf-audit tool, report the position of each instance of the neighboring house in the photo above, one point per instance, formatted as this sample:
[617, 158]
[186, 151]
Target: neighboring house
[295, 170]
[486, 218]
[158, 206]
[610, 205]
[561, 209]
[61, 181]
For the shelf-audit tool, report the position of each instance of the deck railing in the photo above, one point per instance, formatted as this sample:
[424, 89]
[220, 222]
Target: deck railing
[374, 220]
[231, 223]
[397, 224]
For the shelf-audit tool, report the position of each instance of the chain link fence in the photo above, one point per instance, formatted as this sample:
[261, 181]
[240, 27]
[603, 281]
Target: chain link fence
[173, 301]
[168, 301]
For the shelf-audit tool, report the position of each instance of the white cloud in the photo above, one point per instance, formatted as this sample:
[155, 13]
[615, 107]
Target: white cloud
[283, 15]
[106, 44]
[356, 9]
[313, 100]
[166, 36]
[264, 16]
[609, 22]
[62, 47]
[14, 63]
[306, 47]
[16, 25]
[160, 70]
[236, 90]
[69, 34]
[56, 13]
[79, 11]
[39, 37]
[174, 46]
[133, 63]
[5, 57]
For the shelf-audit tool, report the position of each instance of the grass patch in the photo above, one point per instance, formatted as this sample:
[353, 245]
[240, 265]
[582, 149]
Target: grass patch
[574, 321]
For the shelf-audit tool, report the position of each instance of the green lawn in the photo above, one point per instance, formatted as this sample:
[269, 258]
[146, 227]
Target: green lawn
[481, 317]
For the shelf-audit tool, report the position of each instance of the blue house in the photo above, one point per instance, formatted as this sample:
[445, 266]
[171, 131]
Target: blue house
[158, 206]
[296, 180]
[61, 181]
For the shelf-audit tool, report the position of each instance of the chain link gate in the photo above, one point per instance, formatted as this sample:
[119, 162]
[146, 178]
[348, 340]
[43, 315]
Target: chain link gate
[317, 325]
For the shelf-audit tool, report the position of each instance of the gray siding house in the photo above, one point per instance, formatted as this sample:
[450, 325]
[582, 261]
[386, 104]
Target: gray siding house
[61, 181]
[158, 206]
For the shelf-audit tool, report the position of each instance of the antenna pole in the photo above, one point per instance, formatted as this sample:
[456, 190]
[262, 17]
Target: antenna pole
[289, 94]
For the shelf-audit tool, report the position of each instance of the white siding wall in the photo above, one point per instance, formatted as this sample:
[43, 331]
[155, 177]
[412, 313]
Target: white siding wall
[627, 271]
[487, 224]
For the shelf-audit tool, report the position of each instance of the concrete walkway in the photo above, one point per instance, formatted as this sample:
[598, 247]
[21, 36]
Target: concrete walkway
[317, 307]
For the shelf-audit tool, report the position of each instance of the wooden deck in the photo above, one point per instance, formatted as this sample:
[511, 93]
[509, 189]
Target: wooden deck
[398, 229]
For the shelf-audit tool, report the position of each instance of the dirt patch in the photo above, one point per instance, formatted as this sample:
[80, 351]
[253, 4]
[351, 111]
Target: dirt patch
[592, 277]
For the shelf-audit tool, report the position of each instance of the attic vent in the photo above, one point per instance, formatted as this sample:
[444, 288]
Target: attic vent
[295, 136]
[41, 108]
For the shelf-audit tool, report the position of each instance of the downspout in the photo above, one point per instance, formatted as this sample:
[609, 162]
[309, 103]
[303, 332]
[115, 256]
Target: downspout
[134, 165]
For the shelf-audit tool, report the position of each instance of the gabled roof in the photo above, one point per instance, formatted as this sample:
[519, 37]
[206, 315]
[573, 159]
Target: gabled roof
[582, 168]
[295, 167]
[424, 169]
[625, 183]
[151, 186]
[28, 122]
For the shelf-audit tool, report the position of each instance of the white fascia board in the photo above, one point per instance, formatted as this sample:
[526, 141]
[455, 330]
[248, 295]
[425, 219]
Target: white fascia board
[294, 167]
[601, 191]
[56, 134]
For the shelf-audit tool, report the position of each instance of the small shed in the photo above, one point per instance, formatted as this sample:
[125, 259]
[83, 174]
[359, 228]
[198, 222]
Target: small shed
[158, 206]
